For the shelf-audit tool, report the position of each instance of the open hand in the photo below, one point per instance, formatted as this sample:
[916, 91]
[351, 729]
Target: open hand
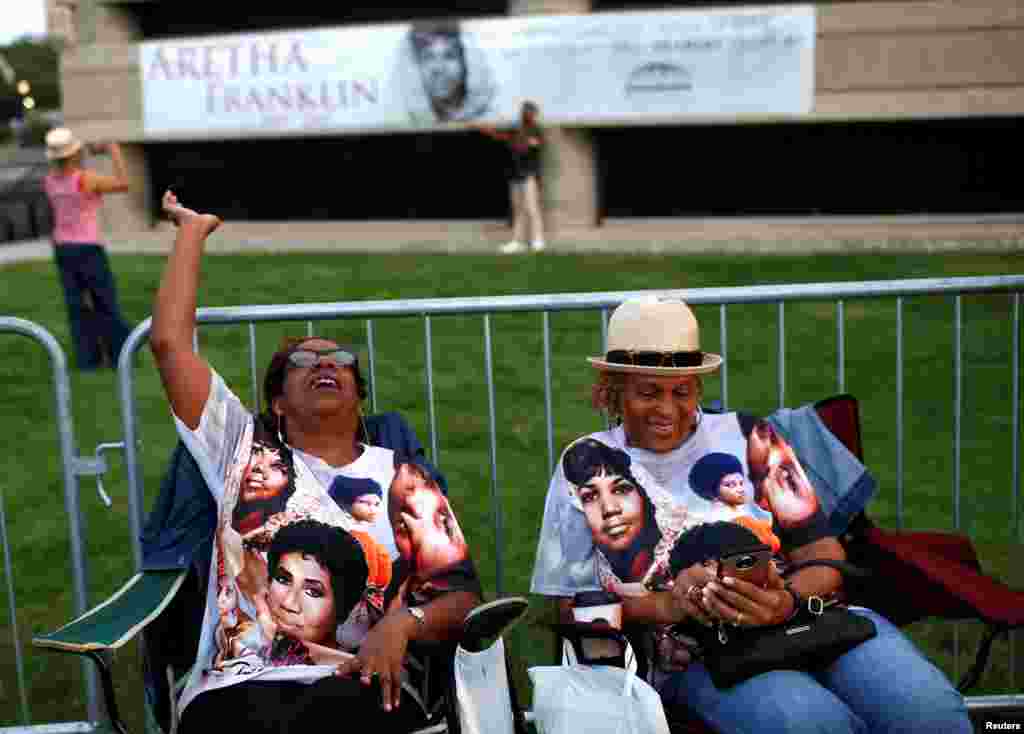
[381, 656]
[182, 215]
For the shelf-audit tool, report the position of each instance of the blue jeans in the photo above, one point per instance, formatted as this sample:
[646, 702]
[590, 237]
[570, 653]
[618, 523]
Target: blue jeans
[882, 685]
[97, 328]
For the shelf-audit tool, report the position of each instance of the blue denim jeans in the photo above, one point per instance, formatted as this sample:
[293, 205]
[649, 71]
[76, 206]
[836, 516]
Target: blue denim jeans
[882, 685]
[98, 330]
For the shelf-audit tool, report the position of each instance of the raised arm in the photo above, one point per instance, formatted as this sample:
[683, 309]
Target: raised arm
[492, 132]
[185, 375]
[98, 183]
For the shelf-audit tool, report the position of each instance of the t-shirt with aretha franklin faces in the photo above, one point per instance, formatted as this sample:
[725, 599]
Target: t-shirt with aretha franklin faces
[613, 512]
[279, 506]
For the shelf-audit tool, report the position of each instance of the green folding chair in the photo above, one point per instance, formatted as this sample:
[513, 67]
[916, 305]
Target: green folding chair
[109, 625]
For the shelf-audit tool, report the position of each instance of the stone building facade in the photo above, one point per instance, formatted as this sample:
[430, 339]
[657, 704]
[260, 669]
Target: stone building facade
[877, 62]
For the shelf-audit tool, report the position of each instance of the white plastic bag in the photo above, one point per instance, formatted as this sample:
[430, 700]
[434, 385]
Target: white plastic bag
[482, 692]
[596, 699]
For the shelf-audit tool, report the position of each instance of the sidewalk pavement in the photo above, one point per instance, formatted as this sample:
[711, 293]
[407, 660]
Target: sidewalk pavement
[23, 250]
[742, 236]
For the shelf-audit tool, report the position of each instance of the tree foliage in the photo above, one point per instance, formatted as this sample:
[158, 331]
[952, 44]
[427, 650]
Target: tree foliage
[37, 61]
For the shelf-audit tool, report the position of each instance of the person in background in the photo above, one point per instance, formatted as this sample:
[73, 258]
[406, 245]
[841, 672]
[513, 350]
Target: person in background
[526, 143]
[76, 195]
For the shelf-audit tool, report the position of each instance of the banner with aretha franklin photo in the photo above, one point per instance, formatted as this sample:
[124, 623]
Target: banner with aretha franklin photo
[659, 67]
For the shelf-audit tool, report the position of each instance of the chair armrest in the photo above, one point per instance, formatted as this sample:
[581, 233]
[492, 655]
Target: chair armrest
[114, 622]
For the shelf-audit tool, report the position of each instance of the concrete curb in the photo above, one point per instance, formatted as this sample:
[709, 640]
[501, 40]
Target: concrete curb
[1001, 234]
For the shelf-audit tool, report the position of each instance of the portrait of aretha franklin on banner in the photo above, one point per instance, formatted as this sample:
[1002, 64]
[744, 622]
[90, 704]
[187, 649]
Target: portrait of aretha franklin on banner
[443, 75]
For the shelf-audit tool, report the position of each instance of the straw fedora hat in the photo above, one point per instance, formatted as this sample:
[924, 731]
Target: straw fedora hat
[655, 336]
[61, 143]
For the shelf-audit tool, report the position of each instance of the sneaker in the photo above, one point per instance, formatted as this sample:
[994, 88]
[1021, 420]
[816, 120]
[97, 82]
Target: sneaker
[512, 248]
[538, 246]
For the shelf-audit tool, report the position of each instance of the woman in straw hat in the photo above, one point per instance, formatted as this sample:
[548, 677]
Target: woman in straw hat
[650, 382]
[76, 195]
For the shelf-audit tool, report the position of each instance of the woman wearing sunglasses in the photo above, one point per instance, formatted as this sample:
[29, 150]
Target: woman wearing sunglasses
[313, 427]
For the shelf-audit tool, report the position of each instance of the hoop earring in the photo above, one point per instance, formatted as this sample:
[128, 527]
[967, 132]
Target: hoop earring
[280, 437]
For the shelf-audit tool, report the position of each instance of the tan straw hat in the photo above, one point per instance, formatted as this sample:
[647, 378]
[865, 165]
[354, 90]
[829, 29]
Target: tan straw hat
[655, 336]
[61, 143]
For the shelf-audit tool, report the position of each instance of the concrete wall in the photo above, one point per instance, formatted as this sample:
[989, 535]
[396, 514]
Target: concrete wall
[907, 59]
[893, 60]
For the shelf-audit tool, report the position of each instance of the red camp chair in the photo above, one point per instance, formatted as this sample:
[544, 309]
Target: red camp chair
[920, 574]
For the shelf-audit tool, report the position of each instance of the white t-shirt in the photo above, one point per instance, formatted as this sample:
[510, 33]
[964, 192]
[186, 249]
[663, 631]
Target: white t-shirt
[250, 628]
[568, 561]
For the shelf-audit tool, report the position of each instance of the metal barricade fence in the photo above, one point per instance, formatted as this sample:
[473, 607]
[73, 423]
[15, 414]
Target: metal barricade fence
[602, 303]
[72, 467]
[546, 305]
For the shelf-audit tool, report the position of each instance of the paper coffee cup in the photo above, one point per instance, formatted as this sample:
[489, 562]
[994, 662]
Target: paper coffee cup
[598, 606]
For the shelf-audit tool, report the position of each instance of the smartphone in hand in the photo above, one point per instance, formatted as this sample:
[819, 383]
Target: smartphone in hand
[750, 566]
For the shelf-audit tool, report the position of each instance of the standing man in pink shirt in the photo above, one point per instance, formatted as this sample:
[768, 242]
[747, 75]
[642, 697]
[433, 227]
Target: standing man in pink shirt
[76, 195]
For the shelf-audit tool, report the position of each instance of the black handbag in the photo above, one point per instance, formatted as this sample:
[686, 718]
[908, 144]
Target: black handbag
[814, 638]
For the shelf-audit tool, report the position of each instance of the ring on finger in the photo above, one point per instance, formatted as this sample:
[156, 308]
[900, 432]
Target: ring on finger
[695, 593]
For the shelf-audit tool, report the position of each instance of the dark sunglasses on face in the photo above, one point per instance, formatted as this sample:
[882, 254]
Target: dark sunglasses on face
[309, 357]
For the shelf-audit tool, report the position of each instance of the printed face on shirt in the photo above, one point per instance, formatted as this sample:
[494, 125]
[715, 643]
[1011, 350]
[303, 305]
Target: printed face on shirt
[324, 389]
[301, 599]
[365, 507]
[443, 69]
[780, 484]
[227, 598]
[614, 508]
[265, 477]
[426, 531]
[730, 489]
[659, 413]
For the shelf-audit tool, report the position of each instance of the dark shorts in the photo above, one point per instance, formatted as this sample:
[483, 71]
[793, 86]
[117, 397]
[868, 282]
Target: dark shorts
[272, 707]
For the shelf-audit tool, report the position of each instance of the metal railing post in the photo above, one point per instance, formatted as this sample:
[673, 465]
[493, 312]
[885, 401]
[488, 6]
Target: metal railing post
[68, 455]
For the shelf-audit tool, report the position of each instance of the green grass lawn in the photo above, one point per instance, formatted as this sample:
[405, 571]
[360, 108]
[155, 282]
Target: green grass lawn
[32, 487]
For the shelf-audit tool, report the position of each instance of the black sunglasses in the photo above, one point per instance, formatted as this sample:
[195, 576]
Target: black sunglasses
[655, 359]
[309, 357]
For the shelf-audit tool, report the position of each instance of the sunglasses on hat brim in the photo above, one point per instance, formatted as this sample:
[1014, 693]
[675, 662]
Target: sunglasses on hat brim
[655, 359]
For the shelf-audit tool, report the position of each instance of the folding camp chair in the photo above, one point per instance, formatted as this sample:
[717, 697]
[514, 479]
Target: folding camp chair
[916, 574]
[483, 692]
[105, 628]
